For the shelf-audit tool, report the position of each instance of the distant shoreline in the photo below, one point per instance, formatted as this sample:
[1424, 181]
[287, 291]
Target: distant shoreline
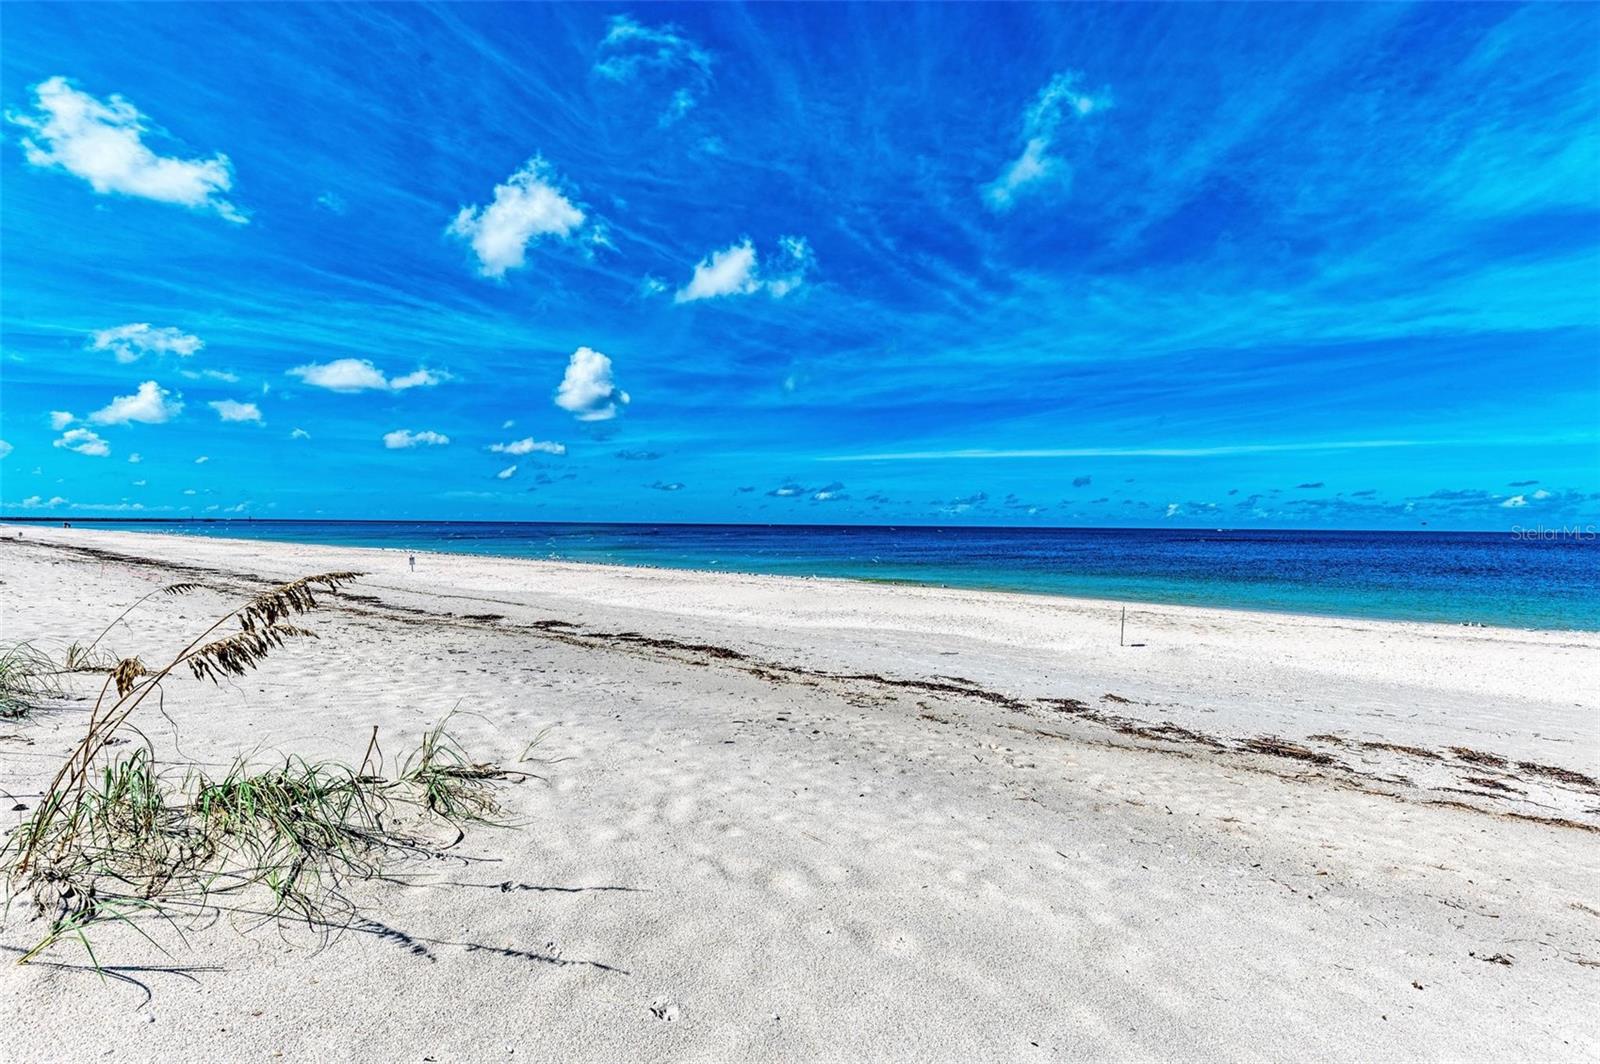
[34, 519]
[788, 559]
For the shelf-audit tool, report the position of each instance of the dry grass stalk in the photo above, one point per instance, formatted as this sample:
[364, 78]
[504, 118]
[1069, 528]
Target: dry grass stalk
[118, 839]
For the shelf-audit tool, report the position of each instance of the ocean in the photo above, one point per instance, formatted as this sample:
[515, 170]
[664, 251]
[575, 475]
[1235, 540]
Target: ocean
[1498, 578]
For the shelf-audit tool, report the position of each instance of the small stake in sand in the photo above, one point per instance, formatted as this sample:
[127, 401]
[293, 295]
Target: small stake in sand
[1122, 634]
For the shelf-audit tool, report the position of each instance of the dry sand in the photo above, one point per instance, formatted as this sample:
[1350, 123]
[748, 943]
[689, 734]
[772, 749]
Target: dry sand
[825, 820]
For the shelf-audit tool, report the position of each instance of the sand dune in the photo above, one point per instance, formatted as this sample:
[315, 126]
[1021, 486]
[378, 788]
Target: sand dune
[822, 820]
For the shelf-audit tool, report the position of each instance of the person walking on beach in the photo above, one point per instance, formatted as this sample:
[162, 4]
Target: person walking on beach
[413, 560]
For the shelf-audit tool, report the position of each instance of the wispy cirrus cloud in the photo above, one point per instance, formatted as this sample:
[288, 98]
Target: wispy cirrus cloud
[1128, 452]
[1061, 100]
[662, 58]
[102, 142]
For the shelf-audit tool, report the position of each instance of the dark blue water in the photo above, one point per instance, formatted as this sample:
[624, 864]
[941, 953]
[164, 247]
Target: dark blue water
[1483, 577]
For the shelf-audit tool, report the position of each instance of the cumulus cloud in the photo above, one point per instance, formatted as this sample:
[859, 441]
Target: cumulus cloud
[231, 410]
[1058, 101]
[102, 141]
[1173, 510]
[34, 502]
[526, 207]
[507, 473]
[737, 271]
[151, 405]
[400, 439]
[661, 57]
[5, 448]
[202, 460]
[829, 493]
[131, 342]
[60, 419]
[135, 458]
[360, 375]
[587, 389]
[787, 490]
[674, 486]
[529, 445]
[299, 434]
[84, 441]
[1514, 502]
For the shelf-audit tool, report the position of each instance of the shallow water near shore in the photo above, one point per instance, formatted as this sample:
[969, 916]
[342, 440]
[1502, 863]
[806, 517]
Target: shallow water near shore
[1493, 578]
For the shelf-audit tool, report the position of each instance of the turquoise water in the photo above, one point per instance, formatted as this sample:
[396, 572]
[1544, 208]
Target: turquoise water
[1464, 577]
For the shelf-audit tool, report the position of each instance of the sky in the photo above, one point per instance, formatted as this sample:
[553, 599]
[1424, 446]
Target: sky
[1135, 265]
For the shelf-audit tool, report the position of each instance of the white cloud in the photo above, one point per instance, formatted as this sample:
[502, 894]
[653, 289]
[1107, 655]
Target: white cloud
[507, 473]
[360, 375]
[417, 378]
[1058, 100]
[136, 458]
[102, 141]
[202, 460]
[133, 341]
[736, 270]
[1514, 502]
[730, 271]
[84, 441]
[529, 445]
[140, 483]
[230, 410]
[5, 448]
[1541, 495]
[60, 419]
[400, 439]
[507, 423]
[213, 375]
[587, 389]
[34, 502]
[662, 56]
[299, 434]
[526, 207]
[150, 405]
[1173, 510]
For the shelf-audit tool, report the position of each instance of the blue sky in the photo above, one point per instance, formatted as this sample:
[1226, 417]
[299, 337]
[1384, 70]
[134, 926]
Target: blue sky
[1073, 265]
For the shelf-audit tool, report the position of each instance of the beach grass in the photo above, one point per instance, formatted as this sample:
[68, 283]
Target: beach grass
[27, 677]
[124, 835]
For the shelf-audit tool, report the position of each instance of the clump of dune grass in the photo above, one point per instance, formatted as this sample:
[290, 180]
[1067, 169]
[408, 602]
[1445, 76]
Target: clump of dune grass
[123, 836]
[27, 677]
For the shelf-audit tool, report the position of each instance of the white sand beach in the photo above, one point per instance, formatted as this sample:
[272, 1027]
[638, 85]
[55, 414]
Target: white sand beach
[799, 820]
